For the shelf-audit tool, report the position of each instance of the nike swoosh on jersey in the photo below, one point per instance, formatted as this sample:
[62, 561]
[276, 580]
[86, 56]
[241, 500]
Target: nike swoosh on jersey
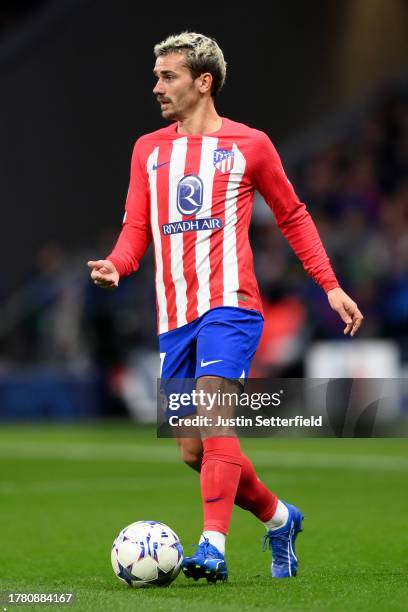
[206, 363]
[155, 166]
[213, 499]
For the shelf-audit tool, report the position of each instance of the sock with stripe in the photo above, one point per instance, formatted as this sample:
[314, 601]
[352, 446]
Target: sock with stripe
[219, 478]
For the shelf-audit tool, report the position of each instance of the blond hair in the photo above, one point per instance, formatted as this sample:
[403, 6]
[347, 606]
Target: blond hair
[202, 55]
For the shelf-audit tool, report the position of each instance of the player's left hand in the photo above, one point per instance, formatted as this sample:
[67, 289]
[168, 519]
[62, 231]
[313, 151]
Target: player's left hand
[347, 309]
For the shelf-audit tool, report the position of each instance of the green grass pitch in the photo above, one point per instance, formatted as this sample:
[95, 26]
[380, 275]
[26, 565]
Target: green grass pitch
[65, 493]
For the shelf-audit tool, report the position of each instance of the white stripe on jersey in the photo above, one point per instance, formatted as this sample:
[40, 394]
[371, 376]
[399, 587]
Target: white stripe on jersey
[177, 166]
[229, 247]
[154, 220]
[202, 247]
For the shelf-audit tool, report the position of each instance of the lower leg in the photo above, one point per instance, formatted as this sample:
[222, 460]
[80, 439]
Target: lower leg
[252, 495]
[222, 459]
[191, 452]
[220, 474]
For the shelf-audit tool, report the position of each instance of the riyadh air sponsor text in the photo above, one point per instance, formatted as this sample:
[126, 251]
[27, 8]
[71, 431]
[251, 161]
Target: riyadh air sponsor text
[191, 225]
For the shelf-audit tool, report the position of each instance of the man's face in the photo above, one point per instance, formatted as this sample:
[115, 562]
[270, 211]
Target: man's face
[176, 90]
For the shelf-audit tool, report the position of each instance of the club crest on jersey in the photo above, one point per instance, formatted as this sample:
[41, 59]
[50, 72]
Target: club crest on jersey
[190, 195]
[223, 159]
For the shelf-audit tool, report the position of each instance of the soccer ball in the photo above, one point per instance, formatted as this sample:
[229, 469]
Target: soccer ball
[147, 553]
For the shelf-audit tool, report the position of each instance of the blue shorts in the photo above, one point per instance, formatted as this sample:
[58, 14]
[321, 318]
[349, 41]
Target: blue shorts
[222, 342]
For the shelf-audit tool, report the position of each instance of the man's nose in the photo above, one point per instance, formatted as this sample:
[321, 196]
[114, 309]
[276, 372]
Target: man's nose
[158, 88]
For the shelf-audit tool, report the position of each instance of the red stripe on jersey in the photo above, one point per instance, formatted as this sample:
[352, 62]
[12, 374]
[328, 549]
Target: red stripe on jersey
[220, 187]
[192, 166]
[248, 292]
[163, 217]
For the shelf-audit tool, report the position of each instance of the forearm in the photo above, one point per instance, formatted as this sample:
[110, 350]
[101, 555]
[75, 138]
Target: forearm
[301, 232]
[129, 249]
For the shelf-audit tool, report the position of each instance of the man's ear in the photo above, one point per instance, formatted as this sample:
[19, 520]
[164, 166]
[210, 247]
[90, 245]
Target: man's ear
[205, 82]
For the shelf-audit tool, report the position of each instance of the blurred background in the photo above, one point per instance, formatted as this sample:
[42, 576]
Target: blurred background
[328, 82]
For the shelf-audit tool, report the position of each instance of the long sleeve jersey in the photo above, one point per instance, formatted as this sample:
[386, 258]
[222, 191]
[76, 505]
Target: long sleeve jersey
[193, 196]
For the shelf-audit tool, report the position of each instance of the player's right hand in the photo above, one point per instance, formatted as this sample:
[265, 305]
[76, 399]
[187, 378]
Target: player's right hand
[104, 273]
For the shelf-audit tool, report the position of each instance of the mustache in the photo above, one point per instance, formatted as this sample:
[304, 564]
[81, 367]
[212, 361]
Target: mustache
[161, 99]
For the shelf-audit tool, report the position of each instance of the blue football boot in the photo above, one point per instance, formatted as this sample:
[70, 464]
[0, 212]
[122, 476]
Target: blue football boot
[207, 562]
[282, 544]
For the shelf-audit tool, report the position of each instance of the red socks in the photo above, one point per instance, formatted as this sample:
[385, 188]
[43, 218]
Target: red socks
[252, 495]
[219, 477]
[227, 477]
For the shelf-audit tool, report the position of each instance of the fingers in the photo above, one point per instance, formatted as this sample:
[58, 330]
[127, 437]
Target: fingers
[102, 274]
[105, 284]
[101, 265]
[345, 317]
[354, 319]
[94, 265]
[103, 281]
[347, 309]
[349, 313]
[357, 321]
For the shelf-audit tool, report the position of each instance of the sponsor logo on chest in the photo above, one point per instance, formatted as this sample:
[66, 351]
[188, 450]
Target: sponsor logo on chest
[190, 198]
[189, 201]
[191, 225]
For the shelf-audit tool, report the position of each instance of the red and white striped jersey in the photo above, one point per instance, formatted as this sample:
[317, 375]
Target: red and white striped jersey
[193, 196]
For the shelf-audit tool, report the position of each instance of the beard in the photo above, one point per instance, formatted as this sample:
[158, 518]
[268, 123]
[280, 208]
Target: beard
[174, 111]
[167, 112]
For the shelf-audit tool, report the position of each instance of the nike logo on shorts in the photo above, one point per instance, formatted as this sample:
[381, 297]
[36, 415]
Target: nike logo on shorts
[213, 499]
[206, 363]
